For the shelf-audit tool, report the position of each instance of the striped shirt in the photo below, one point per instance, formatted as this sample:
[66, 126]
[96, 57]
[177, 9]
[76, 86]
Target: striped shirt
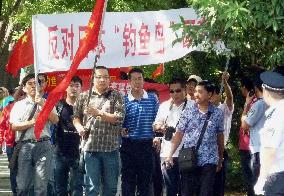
[140, 115]
[104, 136]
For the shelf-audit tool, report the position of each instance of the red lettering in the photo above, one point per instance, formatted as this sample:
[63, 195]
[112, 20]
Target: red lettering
[129, 36]
[67, 39]
[144, 40]
[159, 38]
[52, 43]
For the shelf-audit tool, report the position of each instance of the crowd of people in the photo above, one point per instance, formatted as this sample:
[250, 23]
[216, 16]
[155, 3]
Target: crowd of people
[94, 137]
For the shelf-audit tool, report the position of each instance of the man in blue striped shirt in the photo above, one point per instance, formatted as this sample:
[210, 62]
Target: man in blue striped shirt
[137, 142]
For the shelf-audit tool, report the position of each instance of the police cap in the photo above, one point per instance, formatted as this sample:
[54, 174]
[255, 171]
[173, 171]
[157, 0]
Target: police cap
[273, 81]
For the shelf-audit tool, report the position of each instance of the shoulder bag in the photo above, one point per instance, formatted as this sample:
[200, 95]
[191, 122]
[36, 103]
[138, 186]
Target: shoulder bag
[187, 158]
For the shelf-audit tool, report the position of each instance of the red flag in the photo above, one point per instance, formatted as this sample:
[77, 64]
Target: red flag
[89, 42]
[159, 71]
[22, 54]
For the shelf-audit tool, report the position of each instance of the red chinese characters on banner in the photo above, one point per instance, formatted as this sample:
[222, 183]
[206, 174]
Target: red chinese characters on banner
[67, 40]
[52, 43]
[160, 38]
[144, 37]
[129, 37]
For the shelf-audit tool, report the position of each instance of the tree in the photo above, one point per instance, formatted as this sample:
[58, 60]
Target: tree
[252, 29]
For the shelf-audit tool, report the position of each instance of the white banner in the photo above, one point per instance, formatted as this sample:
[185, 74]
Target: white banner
[128, 39]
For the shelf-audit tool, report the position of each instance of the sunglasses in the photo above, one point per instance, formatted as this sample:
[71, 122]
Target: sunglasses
[175, 91]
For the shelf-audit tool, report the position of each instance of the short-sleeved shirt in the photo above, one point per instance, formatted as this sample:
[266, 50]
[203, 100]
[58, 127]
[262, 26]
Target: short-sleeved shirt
[104, 136]
[169, 114]
[255, 119]
[191, 123]
[67, 137]
[140, 115]
[272, 135]
[227, 120]
[20, 113]
[244, 137]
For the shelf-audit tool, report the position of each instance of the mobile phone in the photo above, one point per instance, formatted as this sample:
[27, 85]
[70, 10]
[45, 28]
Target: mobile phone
[251, 93]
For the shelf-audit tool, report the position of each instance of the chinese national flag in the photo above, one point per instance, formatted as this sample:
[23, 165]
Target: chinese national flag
[159, 71]
[89, 42]
[22, 54]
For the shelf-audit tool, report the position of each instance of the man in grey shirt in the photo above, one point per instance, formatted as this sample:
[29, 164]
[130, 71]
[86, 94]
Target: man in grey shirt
[34, 156]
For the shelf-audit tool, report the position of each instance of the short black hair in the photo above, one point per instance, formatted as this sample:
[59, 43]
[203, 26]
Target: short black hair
[135, 70]
[102, 67]
[27, 78]
[42, 74]
[247, 83]
[208, 85]
[77, 79]
[178, 81]
[257, 82]
[217, 89]
[279, 69]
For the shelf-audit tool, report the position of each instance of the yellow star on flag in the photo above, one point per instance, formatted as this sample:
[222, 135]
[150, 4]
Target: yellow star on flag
[25, 39]
[85, 35]
[91, 25]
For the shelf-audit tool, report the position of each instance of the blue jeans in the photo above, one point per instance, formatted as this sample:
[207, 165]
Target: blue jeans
[171, 177]
[247, 171]
[137, 167]
[63, 166]
[101, 168]
[34, 168]
[13, 174]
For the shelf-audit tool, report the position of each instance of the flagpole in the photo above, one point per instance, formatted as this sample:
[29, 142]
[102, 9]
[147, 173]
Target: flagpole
[35, 53]
[97, 54]
[226, 69]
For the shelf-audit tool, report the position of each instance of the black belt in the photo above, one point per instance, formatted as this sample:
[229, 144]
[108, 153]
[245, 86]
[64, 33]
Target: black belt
[35, 141]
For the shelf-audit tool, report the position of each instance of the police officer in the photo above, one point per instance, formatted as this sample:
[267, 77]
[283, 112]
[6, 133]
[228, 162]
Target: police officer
[271, 178]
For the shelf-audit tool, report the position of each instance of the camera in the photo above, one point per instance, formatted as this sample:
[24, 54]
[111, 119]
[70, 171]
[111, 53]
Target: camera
[169, 133]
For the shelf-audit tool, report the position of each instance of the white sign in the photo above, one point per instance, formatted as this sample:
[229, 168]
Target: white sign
[128, 39]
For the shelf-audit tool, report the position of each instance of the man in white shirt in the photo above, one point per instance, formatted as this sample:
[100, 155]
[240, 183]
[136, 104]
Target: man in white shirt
[228, 108]
[271, 178]
[165, 122]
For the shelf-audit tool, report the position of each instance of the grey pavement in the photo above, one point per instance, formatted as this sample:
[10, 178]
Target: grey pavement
[5, 189]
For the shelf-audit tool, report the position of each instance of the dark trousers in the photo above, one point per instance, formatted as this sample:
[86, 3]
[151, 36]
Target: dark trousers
[171, 177]
[199, 182]
[255, 167]
[67, 175]
[274, 185]
[247, 171]
[220, 178]
[13, 174]
[157, 175]
[137, 167]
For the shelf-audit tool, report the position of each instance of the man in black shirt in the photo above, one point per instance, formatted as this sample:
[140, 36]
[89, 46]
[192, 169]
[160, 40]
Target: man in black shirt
[67, 145]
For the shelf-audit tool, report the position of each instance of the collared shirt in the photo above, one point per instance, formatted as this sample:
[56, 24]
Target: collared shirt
[227, 120]
[20, 113]
[104, 136]
[244, 137]
[140, 115]
[169, 114]
[255, 119]
[191, 123]
[272, 135]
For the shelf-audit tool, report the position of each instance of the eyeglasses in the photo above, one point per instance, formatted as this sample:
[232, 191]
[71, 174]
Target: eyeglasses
[102, 77]
[175, 91]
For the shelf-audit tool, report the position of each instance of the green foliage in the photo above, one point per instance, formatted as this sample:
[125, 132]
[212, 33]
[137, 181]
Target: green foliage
[252, 29]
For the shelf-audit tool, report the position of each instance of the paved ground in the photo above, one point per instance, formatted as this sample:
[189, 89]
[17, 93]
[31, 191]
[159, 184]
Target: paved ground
[4, 177]
[5, 184]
